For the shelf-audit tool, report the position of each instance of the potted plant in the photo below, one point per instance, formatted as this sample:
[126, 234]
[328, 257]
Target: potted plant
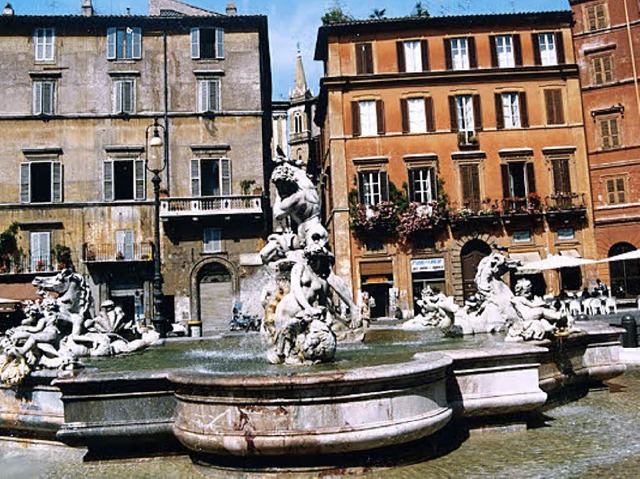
[40, 265]
[119, 256]
[164, 192]
[62, 255]
[245, 186]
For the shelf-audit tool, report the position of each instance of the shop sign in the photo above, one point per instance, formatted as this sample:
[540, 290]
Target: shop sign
[427, 265]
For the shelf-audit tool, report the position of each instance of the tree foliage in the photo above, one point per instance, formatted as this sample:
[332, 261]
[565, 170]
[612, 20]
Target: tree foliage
[378, 13]
[420, 10]
[336, 14]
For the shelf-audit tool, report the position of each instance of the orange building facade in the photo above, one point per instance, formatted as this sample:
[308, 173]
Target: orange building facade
[470, 129]
[607, 44]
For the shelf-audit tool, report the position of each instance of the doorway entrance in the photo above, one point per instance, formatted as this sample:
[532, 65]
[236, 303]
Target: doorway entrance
[216, 297]
[624, 275]
[470, 256]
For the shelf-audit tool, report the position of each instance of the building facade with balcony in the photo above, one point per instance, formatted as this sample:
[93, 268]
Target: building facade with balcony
[443, 137]
[606, 36]
[78, 98]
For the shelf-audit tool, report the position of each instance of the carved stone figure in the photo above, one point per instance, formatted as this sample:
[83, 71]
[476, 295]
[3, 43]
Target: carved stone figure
[59, 329]
[536, 318]
[436, 310]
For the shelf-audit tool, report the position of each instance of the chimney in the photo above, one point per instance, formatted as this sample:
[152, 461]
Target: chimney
[87, 8]
[8, 10]
[231, 9]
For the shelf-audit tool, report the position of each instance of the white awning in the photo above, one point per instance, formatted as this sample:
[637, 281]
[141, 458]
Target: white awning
[570, 253]
[526, 258]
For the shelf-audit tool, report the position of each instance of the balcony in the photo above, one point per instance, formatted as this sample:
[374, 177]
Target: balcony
[29, 265]
[563, 207]
[107, 253]
[468, 140]
[210, 206]
[523, 209]
[475, 213]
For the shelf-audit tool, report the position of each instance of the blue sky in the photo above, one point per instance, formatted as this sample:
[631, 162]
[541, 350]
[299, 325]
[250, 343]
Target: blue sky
[293, 22]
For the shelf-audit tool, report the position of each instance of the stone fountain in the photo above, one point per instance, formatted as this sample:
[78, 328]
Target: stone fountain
[302, 401]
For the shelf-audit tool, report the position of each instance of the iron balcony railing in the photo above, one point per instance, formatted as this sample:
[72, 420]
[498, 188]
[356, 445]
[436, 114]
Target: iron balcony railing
[210, 205]
[29, 264]
[565, 202]
[101, 253]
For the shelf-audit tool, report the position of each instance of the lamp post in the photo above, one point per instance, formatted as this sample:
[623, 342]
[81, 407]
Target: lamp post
[156, 165]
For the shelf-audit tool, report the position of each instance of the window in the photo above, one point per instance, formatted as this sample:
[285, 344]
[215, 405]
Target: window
[373, 187]
[504, 51]
[518, 179]
[211, 177]
[44, 97]
[124, 43]
[212, 240]
[511, 113]
[416, 115]
[41, 182]
[609, 133]
[124, 244]
[616, 190]
[602, 69]
[40, 249]
[548, 48]
[367, 117]
[124, 180]
[297, 123]
[207, 43]
[364, 58]
[123, 96]
[422, 185]
[413, 56]
[465, 116]
[459, 54]
[596, 17]
[470, 183]
[44, 44]
[208, 95]
[553, 106]
[561, 175]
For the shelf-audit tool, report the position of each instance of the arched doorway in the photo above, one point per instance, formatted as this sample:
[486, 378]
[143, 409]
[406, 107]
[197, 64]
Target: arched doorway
[216, 292]
[624, 275]
[470, 256]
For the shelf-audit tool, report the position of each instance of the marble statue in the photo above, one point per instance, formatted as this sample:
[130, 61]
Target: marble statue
[536, 319]
[59, 328]
[436, 310]
[310, 302]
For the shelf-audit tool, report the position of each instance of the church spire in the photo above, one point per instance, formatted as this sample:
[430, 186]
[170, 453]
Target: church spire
[300, 88]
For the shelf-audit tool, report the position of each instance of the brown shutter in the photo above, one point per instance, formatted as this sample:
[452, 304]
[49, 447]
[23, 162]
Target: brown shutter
[404, 113]
[494, 51]
[597, 71]
[557, 101]
[607, 69]
[517, 50]
[499, 111]
[553, 103]
[412, 187]
[400, 52]
[561, 180]
[380, 116]
[473, 56]
[560, 48]
[447, 54]
[453, 113]
[613, 127]
[360, 67]
[606, 136]
[524, 112]
[531, 177]
[477, 112]
[506, 190]
[535, 41]
[428, 111]
[361, 188]
[368, 58]
[434, 184]
[470, 178]
[384, 186]
[424, 51]
[355, 118]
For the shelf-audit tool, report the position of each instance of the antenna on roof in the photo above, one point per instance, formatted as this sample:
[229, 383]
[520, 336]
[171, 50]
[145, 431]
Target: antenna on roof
[128, 10]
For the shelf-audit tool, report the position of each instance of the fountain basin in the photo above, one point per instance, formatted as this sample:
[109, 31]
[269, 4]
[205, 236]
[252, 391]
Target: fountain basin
[312, 414]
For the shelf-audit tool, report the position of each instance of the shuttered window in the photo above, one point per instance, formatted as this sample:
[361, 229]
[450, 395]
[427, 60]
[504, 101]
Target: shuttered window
[546, 48]
[422, 185]
[417, 115]
[373, 187]
[553, 106]
[44, 44]
[364, 58]
[123, 96]
[367, 121]
[518, 179]
[616, 190]
[413, 55]
[123, 180]
[459, 53]
[211, 240]
[44, 97]
[208, 95]
[561, 176]
[124, 43]
[41, 182]
[602, 69]
[596, 17]
[125, 244]
[211, 177]
[207, 43]
[470, 179]
[609, 133]
[510, 107]
[502, 51]
[40, 250]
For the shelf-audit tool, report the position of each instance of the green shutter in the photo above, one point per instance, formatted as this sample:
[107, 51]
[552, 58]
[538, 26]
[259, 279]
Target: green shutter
[225, 176]
[56, 182]
[219, 43]
[111, 43]
[195, 178]
[108, 180]
[138, 178]
[25, 193]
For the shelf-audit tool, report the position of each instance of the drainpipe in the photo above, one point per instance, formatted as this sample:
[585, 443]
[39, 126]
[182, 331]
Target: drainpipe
[633, 55]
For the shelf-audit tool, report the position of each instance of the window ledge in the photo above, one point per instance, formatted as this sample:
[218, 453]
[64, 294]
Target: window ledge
[200, 73]
[124, 73]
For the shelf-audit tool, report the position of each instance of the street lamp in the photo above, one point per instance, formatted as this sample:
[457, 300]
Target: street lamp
[156, 165]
